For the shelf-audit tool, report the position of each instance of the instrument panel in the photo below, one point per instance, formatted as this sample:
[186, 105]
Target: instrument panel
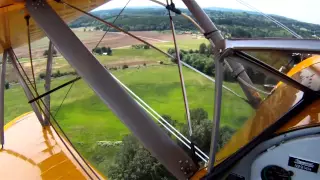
[289, 156]
[291, 160]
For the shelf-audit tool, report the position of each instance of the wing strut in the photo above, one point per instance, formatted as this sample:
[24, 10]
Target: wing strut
[111, 93]
[25, 86]
[2, 86]
[216, 40]
[47, 85]
[214, 35]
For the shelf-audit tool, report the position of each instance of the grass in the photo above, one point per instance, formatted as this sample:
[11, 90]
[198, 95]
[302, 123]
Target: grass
[119, 57]
[86, 120]
[183, 44]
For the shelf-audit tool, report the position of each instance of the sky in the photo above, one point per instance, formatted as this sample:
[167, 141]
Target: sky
[302, 10]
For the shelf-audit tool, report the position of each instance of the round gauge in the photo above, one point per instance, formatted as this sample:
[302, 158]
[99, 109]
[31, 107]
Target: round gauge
[274, 172]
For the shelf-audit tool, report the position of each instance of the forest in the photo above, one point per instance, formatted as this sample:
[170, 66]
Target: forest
[232, 23]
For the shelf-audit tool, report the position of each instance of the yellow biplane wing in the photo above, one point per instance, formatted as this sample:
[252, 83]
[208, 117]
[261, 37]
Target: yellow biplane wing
[13, 28]
[32, 151]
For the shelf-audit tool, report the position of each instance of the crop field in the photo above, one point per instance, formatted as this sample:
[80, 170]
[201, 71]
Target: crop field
[112, 39]
[87, 121]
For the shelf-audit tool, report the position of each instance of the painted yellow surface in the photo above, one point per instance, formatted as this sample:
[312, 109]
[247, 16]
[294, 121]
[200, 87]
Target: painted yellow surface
[272, 108]
[13, 29]
[200, 174]
[34, 152]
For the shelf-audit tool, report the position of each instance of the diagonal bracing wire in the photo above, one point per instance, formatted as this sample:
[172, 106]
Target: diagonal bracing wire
[271, 19]
[137, 38]
[116, 17]
[27, 18]
[53, 118]
[113, 23]
[64, 98]
[164, 122]
[182, 84]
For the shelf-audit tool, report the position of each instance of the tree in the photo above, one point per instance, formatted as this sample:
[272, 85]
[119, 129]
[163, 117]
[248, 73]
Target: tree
[202, 128]
[7, 85]
[202, 48]
[225, 134]
[146, 46]
[104, 50]
[171, 121]
[97, 50]
[240, 33]
[42, 75]
[209, 68]
[171, 51]
[125, 66]
[135, 162]
[126, 27]
[109, 51]
[209, 50]
[198, 63]
[54, 53]
[198, 114]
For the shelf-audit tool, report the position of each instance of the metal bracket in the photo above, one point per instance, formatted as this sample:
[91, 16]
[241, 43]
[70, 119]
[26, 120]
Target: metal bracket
[238, 71]
[37, 4]
[186, 167]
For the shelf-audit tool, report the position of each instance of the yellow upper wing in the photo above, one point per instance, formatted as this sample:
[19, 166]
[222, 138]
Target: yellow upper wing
[13, 29]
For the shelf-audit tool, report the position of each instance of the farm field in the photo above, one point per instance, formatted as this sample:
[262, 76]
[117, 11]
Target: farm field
[112, 39]
[121, 56]
[87, 121]
[90, 124]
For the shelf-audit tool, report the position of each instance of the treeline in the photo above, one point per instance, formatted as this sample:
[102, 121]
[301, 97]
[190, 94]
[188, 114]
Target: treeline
[232, 24]
[202, 59]
[133, 161]
[140, 46]
[58, 74]
[101, 50]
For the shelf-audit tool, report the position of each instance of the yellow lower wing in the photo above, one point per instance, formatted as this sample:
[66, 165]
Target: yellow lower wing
[34, 152]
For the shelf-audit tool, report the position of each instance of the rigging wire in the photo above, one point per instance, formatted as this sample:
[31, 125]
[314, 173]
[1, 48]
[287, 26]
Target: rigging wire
[213, 80]
[58, 125]
[116, 27]
[65, 97]
[112, 23]
[182, 84]
[182, 14]
[158, 115]
[54, 89]
[271, 19]
[128, 33]
[116, 17]
[27, 18]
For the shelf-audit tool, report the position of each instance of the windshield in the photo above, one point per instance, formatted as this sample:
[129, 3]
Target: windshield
[240, 122]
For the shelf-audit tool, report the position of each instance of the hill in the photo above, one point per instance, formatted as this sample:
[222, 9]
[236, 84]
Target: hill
[232, 23]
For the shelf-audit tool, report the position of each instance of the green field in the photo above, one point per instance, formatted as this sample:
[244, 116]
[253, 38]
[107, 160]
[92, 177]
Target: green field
[86, 120]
